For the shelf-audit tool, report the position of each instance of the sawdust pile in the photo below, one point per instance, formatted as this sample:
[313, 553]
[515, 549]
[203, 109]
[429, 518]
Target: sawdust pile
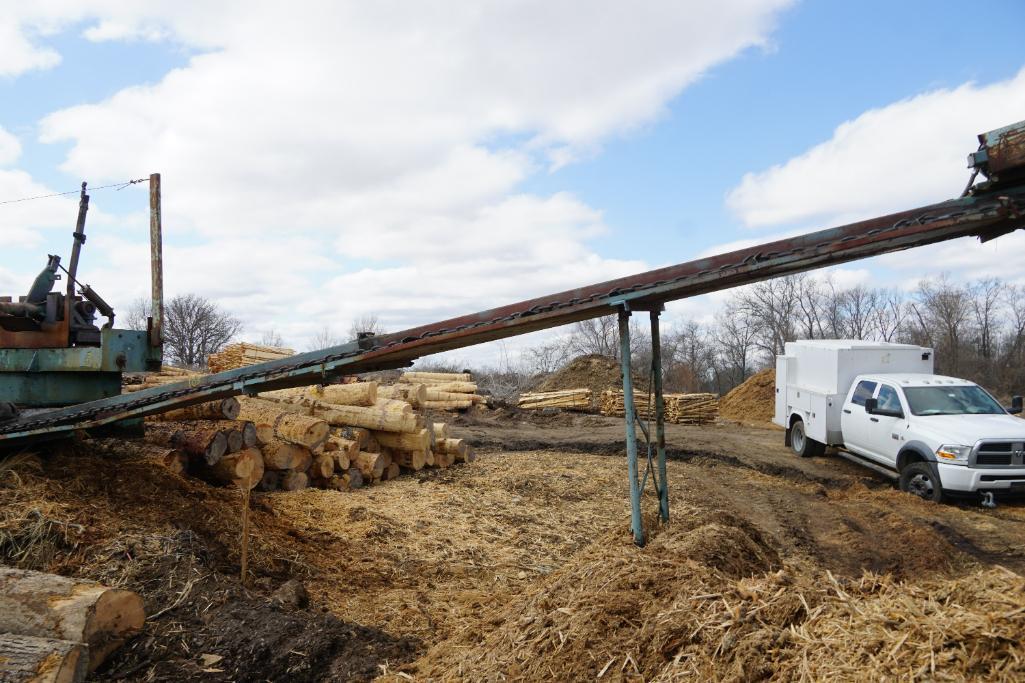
[753, 401]
[707, 600]
[593, 372]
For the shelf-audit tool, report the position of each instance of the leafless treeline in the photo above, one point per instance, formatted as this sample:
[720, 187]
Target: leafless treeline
[977, 329]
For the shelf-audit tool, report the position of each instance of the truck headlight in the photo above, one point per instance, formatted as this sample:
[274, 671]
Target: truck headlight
[953, 454]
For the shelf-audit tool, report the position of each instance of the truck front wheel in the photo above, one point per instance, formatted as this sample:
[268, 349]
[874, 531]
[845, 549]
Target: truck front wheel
[920, 479]
[802, 445]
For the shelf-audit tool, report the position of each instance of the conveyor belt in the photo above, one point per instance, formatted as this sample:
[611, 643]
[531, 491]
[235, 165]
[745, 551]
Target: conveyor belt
[985, 216]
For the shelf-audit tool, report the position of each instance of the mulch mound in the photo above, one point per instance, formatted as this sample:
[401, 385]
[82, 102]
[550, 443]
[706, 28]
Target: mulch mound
[754, 401]
[593, 372]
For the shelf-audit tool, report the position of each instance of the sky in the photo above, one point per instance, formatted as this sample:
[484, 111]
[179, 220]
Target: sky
[419, 159]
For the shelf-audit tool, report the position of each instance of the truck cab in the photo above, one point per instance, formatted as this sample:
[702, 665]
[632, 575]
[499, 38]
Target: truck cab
[880, 404]
[940, 434]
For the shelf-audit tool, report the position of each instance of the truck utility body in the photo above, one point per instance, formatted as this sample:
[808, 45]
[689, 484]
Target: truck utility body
[882, 403]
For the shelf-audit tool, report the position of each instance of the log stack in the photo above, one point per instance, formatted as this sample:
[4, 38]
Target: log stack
[340, 437]
[243, 355]
[692, 409]
[375, 435]
[568, 399]
[449, 391]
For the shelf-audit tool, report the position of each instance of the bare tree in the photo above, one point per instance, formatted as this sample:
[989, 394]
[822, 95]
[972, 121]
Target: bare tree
[325, 338]
[546, 358]
[596, 336]
[272, 338]
[366, 324]
[194, 327]
[136, 316]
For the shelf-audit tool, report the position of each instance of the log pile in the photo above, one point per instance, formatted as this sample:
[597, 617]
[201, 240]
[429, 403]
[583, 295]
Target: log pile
[244, 354]
[53, 628]
[569, 399]
[338, 437]
[449, 391]
[692, 409]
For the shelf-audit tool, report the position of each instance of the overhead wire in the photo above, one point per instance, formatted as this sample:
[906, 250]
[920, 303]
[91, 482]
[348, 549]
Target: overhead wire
[119, 186]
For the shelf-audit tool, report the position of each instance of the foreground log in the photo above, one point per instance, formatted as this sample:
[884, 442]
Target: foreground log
[440, 430]
[207, 444]
[371, 465]
[50, 606]
[354, 477]
[357, 394]
[413, 394]
[455, 387]
[419, 440]
[281, 455]
[42, 660]
[415, 376]
[323, 466]
[448, 405]
[270, 481]
[414, 460]
[294, 481]
[385, 420]
[285, 421]
[243, 469]
[393, 471]
[226, 409]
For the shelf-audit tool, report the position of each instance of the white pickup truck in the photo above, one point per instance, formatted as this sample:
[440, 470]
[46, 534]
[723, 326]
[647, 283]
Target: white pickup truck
[881, 403]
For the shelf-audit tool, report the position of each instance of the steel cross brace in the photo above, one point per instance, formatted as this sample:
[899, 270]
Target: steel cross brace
[659, 478]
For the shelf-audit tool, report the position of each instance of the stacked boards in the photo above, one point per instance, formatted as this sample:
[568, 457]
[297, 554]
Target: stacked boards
[692, 409]
[447, 391]
[244, 354]
[567, 399]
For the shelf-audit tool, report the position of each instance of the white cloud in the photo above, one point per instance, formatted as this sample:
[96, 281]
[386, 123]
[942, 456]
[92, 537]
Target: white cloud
[18, 51]
[347, 157]
[906, 154]
[10, 148]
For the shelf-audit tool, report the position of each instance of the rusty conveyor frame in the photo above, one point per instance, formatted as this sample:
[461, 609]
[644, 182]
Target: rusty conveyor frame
[988, 210]
[986, 216]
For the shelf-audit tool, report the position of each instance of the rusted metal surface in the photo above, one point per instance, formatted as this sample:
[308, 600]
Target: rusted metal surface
[982, 214]
[1001, 154]
[926, 225]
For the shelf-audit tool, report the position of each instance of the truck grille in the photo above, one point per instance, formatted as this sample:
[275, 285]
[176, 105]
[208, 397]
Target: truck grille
[997, 453]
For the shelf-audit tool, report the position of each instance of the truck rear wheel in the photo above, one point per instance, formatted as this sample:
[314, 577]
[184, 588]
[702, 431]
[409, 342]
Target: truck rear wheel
[920, 479]
[802, 444]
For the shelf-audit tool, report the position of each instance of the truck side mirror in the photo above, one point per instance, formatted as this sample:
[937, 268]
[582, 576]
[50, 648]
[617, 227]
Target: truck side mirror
[1016, 405]
[871, 405]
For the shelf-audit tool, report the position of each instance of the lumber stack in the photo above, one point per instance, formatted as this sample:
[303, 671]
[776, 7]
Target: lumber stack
[55, 628]
[451, 391]
[568, 399]
[693, 409]
[245, 354]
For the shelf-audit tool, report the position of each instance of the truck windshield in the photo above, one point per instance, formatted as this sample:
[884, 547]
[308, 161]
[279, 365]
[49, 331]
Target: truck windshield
[959, 400]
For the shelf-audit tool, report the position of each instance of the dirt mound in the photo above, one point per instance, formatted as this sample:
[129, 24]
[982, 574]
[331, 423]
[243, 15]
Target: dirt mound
[593, 372]
[754, 401]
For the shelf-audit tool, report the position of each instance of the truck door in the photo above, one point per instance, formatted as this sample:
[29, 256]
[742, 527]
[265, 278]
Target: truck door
[854, 420]
[883, 436]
